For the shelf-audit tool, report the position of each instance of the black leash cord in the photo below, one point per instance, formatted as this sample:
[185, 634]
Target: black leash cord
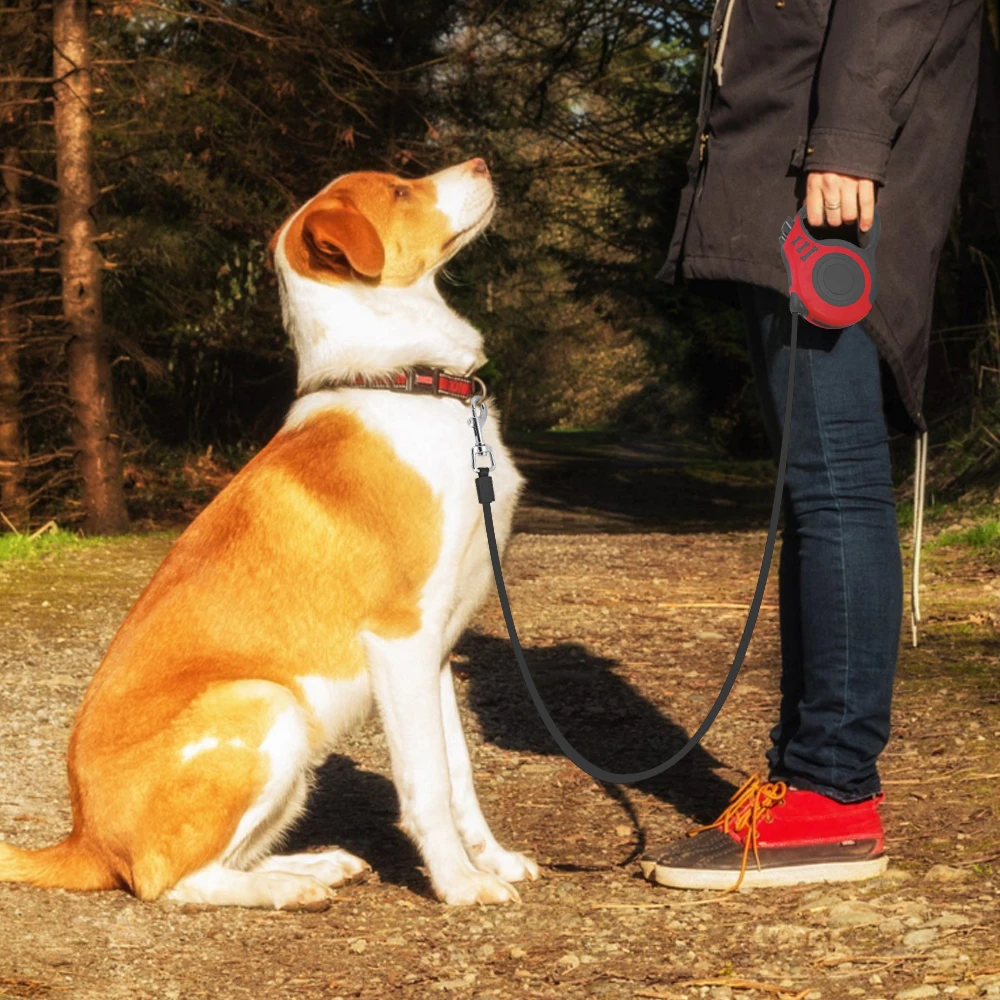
[484, 488]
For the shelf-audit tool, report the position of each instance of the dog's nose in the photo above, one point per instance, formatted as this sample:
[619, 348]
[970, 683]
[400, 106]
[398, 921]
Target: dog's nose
[479, 166]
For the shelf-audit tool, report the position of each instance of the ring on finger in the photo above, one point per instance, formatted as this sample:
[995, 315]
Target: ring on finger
[832, 206]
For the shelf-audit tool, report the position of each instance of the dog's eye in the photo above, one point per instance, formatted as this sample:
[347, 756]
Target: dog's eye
[401, 192]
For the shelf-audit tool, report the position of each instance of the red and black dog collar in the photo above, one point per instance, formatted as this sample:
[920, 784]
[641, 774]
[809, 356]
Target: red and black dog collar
[420, 381]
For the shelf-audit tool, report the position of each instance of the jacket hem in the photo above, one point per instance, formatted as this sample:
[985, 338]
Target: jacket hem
[710, 268]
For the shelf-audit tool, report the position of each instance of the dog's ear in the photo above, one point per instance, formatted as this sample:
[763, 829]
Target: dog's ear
[342, 240]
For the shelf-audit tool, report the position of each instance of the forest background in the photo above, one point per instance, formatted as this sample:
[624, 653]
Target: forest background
[151, 147]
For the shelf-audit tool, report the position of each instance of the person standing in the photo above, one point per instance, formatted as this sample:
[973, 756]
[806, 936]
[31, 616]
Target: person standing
[834, 104]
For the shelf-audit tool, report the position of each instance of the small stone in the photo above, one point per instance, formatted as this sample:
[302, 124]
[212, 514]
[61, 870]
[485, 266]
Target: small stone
[918, 992]
[851, 914]
[358, 946]
[917, 939]
[819, 901]
[948, 951]
[948, 919]
[893, 927]
[516, 952]
[814, 995]
[966, 992]
[569, 961]
[897, 875]
[946, 873]
[721, 993]
[456, 984]
[780, 934]
[875, 979]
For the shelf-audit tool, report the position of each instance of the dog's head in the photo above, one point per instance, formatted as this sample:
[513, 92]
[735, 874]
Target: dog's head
[382, 229]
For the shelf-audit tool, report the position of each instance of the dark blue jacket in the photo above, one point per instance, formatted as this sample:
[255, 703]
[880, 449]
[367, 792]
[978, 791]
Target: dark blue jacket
[883, 89]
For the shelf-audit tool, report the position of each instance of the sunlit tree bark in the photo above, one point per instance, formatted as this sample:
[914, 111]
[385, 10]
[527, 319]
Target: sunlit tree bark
[13, 495]
[87, 351]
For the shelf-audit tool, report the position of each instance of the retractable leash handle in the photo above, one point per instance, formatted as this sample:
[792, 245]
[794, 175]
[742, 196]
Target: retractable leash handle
[831, 283]
[822, 301]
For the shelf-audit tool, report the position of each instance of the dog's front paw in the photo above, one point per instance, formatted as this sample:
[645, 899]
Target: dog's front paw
[478, 887]
[298, 892]
[509, 865]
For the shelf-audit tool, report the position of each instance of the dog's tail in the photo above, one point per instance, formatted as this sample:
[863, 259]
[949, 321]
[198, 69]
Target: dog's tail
[72, 864]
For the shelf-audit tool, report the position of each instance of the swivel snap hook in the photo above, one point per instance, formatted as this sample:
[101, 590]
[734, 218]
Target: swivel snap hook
[481, 452]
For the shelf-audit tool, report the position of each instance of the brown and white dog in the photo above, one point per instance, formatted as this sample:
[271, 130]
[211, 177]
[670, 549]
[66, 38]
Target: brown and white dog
[337, 569]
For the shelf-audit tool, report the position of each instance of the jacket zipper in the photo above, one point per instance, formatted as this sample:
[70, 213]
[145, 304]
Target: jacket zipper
[702, 164]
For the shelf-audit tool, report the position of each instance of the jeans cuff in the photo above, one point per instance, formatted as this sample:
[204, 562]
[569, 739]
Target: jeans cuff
[867, 790]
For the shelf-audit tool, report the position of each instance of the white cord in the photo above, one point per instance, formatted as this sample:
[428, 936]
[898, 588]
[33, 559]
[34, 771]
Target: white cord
[722, 42]
[919, 494]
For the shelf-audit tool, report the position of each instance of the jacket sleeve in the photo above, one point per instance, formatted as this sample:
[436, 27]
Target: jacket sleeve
[868, 77]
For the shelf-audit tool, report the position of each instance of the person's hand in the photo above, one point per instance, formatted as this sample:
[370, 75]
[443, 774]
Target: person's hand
[837, 198]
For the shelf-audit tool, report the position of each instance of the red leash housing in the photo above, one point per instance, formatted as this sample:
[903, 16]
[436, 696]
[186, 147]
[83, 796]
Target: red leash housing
[831, 283]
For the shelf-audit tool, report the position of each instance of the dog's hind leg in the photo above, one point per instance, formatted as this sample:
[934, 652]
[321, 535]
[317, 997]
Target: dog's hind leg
[485, 852]
[230, 777]
[216, 885]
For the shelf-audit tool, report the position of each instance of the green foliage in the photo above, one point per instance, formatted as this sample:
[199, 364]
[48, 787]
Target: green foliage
[13, 547]
[225, 117]
[217, 119]
[984, 536]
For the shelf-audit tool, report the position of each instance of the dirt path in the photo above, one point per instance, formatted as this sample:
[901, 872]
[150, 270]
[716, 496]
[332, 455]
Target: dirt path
[629, 667]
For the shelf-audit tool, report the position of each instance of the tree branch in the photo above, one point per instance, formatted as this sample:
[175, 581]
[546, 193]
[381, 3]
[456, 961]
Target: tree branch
[33, 176]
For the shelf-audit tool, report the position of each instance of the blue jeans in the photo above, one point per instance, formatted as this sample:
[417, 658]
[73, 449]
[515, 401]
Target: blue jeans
[840, 576]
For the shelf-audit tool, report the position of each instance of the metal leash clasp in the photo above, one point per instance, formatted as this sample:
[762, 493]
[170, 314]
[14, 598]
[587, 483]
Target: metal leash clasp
[481, 452]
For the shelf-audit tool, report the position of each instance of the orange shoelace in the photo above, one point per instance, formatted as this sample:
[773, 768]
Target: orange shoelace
[747, 809]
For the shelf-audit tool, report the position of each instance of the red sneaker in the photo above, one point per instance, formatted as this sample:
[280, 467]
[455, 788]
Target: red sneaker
[772, 835]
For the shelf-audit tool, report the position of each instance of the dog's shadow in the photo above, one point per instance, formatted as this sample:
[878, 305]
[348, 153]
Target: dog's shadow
[601, 714]
[358, 810]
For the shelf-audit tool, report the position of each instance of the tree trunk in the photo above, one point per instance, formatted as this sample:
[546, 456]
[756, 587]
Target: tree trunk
[87, 352]
[13, 494]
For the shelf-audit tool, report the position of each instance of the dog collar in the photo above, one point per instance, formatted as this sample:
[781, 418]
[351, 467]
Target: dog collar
[419, 381]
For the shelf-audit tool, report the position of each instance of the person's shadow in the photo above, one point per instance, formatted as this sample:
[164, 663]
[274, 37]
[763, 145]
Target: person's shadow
[602, 715]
